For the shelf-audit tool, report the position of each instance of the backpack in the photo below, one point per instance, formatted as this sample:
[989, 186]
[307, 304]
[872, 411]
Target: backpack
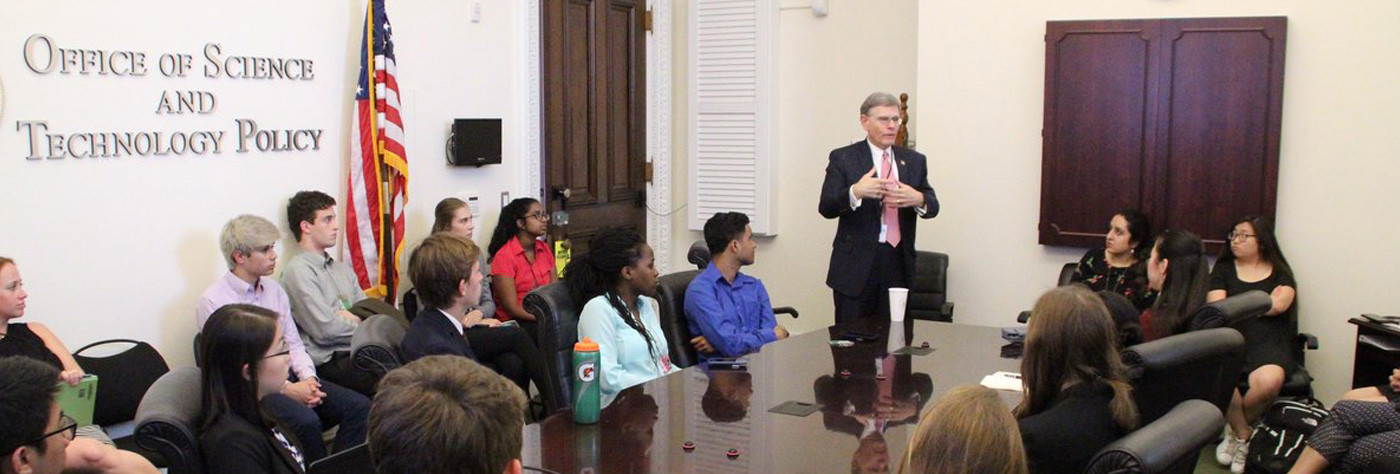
[1279, 437]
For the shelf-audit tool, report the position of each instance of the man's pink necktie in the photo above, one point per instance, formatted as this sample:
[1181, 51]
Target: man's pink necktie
[891, 215]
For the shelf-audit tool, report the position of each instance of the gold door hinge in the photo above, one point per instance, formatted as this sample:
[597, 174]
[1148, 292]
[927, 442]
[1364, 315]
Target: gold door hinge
[647, 20]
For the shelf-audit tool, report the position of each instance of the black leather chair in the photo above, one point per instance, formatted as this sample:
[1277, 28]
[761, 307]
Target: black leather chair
[167, 420]
[1252, 304]
[557, 318]
[670, 294]
[1067, 274]
[1201, 365]
[410, 304]
[928, 293]
[374, 348]
[122, 378]
[1171, 444]
[698, 255]
[355, 460]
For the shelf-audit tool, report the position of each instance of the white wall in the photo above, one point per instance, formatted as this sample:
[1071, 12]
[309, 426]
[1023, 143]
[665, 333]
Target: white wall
[981, 82]
[827, 67]
[123, 247]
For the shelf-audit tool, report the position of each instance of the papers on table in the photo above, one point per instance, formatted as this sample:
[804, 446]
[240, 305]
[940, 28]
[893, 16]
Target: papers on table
[1003, 381]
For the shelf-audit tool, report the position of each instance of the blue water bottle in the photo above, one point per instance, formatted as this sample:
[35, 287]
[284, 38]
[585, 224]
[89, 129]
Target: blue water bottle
[586, 391]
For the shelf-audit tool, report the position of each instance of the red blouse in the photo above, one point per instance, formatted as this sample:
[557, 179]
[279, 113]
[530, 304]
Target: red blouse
[510, 262]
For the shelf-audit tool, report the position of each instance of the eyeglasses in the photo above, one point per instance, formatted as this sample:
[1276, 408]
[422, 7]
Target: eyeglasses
[1239, 237]
[886, 120]
[285, 351]
[67, 426]
[539, 215]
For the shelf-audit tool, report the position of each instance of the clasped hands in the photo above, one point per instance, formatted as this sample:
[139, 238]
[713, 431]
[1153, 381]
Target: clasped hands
[890, 192]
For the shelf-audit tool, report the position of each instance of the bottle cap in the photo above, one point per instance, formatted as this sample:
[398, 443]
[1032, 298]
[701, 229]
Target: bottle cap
[586, 345]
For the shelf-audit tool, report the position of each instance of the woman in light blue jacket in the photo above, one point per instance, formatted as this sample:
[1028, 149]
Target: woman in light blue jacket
[612, 281]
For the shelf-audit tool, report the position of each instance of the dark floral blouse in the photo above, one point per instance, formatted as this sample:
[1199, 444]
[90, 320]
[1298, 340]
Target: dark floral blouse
[1131, 282]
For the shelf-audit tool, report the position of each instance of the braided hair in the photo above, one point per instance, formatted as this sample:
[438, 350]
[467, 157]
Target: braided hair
[597, 273]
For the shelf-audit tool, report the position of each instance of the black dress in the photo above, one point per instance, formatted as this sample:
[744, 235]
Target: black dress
[1268, 339]
[1131, 282]
[19, 340]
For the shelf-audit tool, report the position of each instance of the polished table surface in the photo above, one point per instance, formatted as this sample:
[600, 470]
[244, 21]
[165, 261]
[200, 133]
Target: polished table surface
[864, 425]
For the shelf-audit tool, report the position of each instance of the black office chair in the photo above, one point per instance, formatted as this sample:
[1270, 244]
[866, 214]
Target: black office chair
[928, 293]
[122, 378]
[1171, 444]
[670, 294]
[355, 460]
[1201, 365]
[167, 420]
[698, 255]
[410, 304]
[1231, 311]
[374, 348]
[1067, 274]
[557, 318]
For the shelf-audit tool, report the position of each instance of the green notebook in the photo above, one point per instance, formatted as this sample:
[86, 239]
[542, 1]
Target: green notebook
[78, 401]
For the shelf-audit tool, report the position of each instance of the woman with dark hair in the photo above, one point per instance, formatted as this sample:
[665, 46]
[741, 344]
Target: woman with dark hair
[520, 261]
[612, 283]
[1254, 261]
[1120, 266]
[453, 216]
[1077, 397]
[245, 359]
[1177, 269]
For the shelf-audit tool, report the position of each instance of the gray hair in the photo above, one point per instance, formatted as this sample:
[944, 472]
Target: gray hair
[878, 99]
[246, 234]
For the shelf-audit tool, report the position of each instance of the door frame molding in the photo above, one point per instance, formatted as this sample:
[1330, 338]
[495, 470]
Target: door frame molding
[658, 124]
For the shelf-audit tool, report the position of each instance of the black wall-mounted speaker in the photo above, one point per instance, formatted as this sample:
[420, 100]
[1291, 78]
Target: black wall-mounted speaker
[474, 142]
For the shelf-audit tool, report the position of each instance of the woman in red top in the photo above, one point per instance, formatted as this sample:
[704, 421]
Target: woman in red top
[520, 261]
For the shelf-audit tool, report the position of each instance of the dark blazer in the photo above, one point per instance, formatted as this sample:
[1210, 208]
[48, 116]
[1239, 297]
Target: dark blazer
[1064, 437]
[858, 230]
[432, 334]
[232, 445]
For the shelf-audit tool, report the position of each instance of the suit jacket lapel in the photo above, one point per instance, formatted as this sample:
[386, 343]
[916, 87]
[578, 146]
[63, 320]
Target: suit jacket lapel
[286, 455]
[903, 167]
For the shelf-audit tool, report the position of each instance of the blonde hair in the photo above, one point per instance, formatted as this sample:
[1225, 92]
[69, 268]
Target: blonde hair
[969, 430]
[246, 234]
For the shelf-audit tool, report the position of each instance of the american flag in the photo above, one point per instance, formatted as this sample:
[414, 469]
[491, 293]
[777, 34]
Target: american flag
[378, 166]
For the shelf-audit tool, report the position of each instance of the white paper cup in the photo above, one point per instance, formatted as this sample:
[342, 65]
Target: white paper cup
[899, 298]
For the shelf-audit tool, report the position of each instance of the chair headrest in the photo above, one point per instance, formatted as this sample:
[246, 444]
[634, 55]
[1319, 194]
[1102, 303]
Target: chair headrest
[1172, 440]
[1232, 310]
[380, 329]
[699, 254]
[1207, 345]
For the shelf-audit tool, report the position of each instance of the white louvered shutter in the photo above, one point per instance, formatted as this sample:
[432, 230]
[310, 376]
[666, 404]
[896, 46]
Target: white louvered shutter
[733, 102]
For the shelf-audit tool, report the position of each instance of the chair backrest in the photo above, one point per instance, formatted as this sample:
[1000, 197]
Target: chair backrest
[929, 290]
[375, 346]
[355, 460]
[698, 255]
[1201, 365]
[167, 420]
[1232, 310]
[122, 378]
[410, 304]
[1171, 444]
[1067, 274]
[670, 292]
[556, 315]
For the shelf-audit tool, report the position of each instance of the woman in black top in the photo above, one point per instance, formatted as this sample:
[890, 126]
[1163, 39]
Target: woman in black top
[1253, 261]
[245, 359]
[1119, 266]
[1077, 397]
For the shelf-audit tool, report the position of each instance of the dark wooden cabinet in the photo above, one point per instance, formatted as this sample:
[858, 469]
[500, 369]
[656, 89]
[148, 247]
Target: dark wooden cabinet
[1179, 118]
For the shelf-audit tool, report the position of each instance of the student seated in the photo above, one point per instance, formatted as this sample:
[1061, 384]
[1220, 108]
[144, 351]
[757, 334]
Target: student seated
[1354, 434]
[1177, 269]
[1254, 261]
[520, 261]
[453, 216]
[969, 430]
[322, 290]
[92, 449]
[445, 270]
[306, 404]
[1120, 266]
[728, 311]
[443, 414]
[35, 435]
[245, 360]
[1077, 397]
[612, 283]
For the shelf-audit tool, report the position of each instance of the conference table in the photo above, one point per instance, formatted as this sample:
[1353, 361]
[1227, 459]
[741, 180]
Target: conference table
[870, 400]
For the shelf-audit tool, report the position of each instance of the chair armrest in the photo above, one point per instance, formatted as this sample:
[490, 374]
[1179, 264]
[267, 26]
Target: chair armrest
[168, 418]
[947, 310]
[1023, 317]
[1309, 341]
[786, 310]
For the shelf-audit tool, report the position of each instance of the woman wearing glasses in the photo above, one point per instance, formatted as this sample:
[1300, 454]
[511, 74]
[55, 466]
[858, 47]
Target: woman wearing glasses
[92, 449]
[520, 261]
[245, 359]
[1254, 261]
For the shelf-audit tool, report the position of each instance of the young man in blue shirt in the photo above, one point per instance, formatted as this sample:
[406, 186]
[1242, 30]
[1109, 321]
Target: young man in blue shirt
[729, 312]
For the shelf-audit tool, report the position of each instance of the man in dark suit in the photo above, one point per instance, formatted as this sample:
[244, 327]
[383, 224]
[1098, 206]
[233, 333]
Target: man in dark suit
[876, 190]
